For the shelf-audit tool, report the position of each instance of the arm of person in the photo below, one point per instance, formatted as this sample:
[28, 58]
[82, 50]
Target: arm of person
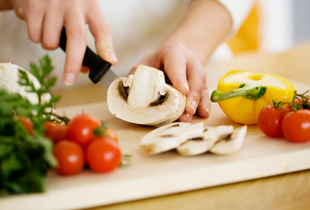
[46, 18]
[182, 54]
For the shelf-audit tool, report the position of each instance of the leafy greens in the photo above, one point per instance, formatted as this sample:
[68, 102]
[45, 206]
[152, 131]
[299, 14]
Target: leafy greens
[24, 158]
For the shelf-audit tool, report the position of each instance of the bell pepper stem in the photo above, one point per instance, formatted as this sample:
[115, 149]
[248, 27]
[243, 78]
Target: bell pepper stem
[245, 91]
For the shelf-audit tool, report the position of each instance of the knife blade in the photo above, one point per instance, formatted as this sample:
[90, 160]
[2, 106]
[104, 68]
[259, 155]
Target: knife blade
[99, 69]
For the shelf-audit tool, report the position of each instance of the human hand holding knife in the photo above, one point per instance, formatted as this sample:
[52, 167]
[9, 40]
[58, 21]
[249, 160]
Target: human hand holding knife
[99, 69]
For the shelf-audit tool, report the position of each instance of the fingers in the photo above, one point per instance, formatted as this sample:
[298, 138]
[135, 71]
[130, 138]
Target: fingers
[76, 45]
[196, 80]
[84, 69]
[205, 104]
[185, 117]
[52, 26]
[102, 32]
[34, 19]
[175, 68]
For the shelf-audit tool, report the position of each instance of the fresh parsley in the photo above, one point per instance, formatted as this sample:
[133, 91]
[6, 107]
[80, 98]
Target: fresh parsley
[24, 158]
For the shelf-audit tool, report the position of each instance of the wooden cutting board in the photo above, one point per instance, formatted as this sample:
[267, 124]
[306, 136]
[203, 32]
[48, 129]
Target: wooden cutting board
[166, 173]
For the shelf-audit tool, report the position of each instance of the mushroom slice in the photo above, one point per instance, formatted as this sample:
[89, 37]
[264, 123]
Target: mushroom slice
[190, 132]
[209, 138]
[232, 144]
[145, 98]
[9, 75]
[156, 142]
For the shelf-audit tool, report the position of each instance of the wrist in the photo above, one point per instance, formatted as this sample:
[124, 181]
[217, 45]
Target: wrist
[206, 24]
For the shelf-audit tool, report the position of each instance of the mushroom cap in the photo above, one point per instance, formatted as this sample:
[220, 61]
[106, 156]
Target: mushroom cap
[140, 110]
[9, 76]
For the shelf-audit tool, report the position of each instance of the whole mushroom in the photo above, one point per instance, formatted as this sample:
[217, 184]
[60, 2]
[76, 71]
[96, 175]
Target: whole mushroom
[9, 76]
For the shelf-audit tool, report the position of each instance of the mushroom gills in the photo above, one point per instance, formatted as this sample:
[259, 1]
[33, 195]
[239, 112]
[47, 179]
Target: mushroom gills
[144, 98]
[158, 141]
[209, 138]
[232, 144]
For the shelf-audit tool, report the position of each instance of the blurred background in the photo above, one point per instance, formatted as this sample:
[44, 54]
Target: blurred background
[272, 27]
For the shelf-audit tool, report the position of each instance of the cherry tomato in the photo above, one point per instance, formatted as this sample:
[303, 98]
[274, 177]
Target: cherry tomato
[107, 133]
[80, 129]
[103, 155]
[110, 135]
[48, 125]
[27, 124]
[296, 101]
[55, 132]
[296, 126]
[70, 157]
[270, 121]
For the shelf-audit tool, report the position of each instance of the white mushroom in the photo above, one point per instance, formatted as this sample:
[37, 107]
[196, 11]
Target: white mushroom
[189, 132]
[209, 138]
[169, 137]
[232, 144]
[145, 98]
[9, 76]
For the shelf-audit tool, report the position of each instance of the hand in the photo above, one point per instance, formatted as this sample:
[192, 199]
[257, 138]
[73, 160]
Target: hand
[46, 18]
[186, 74]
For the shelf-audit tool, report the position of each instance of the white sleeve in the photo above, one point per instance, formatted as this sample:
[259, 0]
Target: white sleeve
[239, 10]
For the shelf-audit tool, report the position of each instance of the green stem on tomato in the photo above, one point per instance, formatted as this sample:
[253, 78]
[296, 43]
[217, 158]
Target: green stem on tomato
[244, 90]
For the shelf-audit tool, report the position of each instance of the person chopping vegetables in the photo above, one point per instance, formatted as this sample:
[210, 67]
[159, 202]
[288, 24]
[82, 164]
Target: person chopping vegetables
[178, 37]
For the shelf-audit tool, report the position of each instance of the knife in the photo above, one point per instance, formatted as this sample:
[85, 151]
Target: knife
[99, 69]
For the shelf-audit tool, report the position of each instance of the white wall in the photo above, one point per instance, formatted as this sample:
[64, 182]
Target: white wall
[276, 28]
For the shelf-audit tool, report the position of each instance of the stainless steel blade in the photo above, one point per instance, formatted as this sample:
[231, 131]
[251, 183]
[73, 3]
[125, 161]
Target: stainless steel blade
[108, 78]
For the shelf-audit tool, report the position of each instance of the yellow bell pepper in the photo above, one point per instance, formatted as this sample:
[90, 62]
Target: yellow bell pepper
[242, 94]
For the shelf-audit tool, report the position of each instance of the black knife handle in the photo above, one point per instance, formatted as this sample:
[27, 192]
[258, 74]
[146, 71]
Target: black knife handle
[97, 66]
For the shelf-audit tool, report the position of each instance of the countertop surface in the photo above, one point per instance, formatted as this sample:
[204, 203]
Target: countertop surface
[289, 191]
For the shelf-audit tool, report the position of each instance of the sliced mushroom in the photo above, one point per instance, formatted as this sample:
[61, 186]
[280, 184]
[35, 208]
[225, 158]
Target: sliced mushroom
[145, 98]
[163, 139]
[210, 137]
[190, 132]
[9, 77]
[232, 144]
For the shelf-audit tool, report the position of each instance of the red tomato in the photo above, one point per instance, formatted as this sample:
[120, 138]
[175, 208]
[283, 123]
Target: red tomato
[48, 125]
[296, 101]
[296, 126]
[80, 129]
[110, 135]
[106, 133]
[27, 124]
[56, 132]
[103, 155]
[270, 121]
[70, 157]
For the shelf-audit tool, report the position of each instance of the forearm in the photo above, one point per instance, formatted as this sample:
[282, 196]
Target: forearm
[204, 27]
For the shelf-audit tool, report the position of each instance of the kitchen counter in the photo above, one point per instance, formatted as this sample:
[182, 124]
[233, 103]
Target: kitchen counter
[289, 191]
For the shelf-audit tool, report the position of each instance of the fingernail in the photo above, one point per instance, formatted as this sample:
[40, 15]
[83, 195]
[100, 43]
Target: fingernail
[70, 78]
[112, 57]
[194, 106]
[190, 117]
[186, 87]
[208, 111]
